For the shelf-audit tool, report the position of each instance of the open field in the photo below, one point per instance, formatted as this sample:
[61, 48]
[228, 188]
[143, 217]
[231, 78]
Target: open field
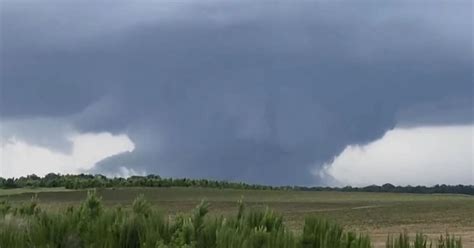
[375, 213]
[6, 192]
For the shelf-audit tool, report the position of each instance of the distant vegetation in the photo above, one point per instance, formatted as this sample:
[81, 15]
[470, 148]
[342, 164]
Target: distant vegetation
[85, 181]
[92, 225]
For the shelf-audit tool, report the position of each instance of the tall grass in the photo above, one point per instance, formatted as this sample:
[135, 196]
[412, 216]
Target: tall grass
[421, 241]
[92, 225]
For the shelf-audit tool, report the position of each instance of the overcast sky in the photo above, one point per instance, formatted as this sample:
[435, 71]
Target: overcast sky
[272, 92]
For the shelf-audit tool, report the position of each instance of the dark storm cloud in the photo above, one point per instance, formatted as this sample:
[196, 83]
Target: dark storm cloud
[250, 91]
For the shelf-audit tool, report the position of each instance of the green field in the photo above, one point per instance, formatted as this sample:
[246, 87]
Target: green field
[378, 214]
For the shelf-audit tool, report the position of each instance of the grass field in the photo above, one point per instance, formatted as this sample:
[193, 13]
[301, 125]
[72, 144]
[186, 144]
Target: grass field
[378, 214]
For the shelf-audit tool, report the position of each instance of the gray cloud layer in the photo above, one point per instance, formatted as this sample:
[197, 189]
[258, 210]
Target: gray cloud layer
[246, 91]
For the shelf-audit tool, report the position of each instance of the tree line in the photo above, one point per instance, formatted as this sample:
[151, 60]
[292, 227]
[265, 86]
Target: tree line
[86, 181]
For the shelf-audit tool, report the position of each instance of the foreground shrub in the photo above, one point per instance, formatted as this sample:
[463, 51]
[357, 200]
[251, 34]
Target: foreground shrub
[321, 233]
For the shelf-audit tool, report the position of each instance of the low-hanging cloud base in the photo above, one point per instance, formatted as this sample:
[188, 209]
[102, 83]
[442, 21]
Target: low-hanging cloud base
[252, 91]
